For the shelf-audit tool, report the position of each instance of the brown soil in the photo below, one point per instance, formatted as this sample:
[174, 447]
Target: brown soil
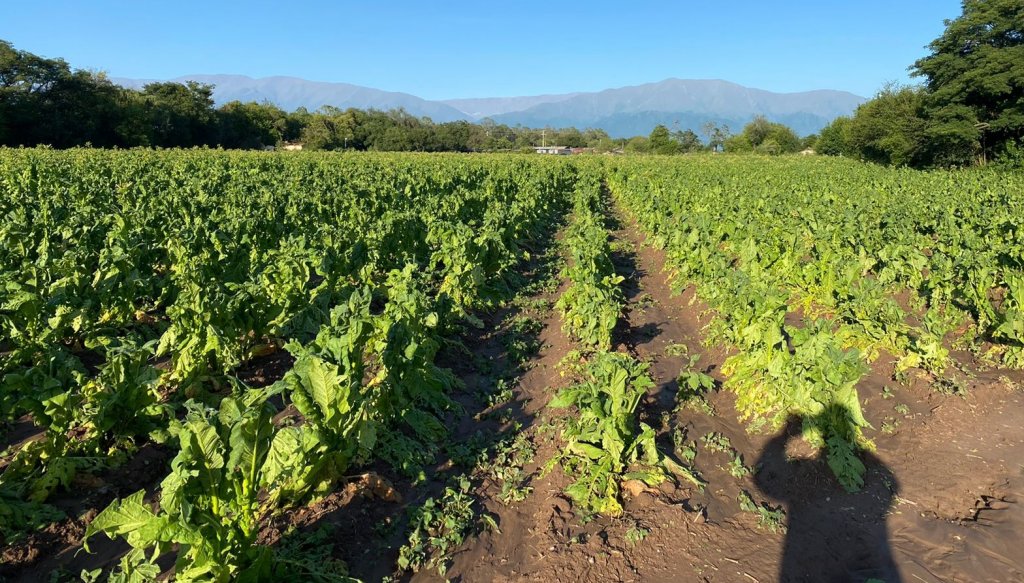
[58, 546]
[526, 528]
[267, 368]
[939, 501]
[368, 517]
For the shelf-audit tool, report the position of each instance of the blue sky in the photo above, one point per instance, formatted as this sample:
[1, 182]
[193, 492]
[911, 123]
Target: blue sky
[437, 49]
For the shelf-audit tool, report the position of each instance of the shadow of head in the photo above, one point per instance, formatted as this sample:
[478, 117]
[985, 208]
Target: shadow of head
[837, 498]
[833, 453]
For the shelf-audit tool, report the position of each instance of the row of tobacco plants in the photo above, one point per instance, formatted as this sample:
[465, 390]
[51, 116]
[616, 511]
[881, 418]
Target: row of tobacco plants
[804, 260]
[604, 442]
[136, 285]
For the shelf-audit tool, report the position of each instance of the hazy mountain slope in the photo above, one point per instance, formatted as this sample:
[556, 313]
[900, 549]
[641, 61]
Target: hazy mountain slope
[622, 112]
[481, 107]
[629, 110]
[290, 93]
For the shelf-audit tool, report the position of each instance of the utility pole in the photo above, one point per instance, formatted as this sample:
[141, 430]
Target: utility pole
[543, 132]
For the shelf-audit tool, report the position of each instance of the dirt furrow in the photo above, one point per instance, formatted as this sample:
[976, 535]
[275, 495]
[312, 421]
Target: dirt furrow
[939, 502]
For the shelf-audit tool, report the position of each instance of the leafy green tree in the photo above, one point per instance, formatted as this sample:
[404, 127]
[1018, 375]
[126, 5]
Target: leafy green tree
[181, 115]
[502, 137]
[43, 102]
[489, 136]
[452, 137]
[770, 147]
[572, 138]
[637, 145]
[738, 144]
[660, 141]
[331, 128]
[596, 138]
[394, 139]
[133, 128]
[81, 107]
[833, 140]
[975, 81]
[716, 135]
[250, 125]
[25, 79]
[604, 145]
[758, 130]
[890, 128]
[763, 136]
[294, 124]
[687, 140]
[786, 138]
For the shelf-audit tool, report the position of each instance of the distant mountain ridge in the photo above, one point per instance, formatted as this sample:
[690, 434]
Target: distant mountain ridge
[291, 93]
[481, 107]
[687, 103]
[622, 112]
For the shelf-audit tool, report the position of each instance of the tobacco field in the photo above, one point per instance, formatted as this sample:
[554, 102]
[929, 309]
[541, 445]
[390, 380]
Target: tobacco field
[228, 366]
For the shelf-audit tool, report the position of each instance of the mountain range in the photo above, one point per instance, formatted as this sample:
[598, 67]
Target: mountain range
[622, 112]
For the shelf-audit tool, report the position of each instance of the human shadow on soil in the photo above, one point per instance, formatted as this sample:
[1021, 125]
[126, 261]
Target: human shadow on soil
[832, 534]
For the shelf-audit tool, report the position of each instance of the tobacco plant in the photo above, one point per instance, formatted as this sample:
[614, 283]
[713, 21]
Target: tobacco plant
[231, 461]
[604, 443]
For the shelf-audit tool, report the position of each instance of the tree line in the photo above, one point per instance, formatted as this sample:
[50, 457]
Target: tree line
[45, 101]
[968, 110]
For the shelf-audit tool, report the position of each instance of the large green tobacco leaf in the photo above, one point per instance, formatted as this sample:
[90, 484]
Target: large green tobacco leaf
[134, 520]
[222, 480]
